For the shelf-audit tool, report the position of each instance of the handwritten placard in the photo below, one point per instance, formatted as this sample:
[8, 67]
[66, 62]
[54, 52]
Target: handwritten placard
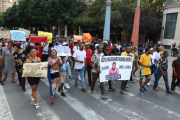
[35, 69]
[63, 50]
[28, 32]
[49, 35]
[5, 34]
[18, 35]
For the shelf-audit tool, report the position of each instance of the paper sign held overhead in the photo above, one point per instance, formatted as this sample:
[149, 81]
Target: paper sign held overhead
[49, 35]
[38, 39]
[87, 37]
[63, 50]
[28, 32]
[17, 35]
[5, 34]
[77, 37]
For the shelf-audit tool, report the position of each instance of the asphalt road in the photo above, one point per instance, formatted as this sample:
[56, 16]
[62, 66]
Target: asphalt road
[77, 105]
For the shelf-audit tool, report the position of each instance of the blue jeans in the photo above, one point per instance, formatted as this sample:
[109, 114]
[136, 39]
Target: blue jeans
[81, 74]
[68, 72]
[159, 75]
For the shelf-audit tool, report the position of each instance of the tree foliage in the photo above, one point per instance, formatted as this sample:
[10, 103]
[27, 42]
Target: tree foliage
[42, 13]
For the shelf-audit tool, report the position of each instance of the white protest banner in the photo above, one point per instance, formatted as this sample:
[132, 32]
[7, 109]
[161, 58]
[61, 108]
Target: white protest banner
[5, 34]
[63, 50]
[26, 31]
[35, 69]
[115, 68]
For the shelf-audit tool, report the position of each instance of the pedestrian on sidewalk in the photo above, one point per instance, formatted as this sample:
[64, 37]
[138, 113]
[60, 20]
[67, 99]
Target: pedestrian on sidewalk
[79, 57]
[19, 57]
[89, 54]
[54, 63]
[62, 76]
[176, 73]
[145, 70]
[95, 64]
[162, 71]
[33, 81]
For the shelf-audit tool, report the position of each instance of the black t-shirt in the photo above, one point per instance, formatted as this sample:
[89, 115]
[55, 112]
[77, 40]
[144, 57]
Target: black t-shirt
[114, 51]
[21, 57]
[107, 54]
[92, 48]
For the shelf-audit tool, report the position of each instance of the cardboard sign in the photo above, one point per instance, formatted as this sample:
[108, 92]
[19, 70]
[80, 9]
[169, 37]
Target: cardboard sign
[49, 35]
[87, 37]
[5, 34]
[35, 69]
[38, 39]
[115, 68]
[63, 50]
[77, 37]
[28, 32]
[17, 35]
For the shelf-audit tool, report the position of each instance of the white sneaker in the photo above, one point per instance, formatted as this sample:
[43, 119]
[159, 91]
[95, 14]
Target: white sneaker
[148, 83]
[66, 86]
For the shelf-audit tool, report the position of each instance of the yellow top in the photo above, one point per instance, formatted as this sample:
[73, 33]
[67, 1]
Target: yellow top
[145, 60]
[126, 54]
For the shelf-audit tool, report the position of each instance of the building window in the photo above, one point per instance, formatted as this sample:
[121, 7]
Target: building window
[170, 28]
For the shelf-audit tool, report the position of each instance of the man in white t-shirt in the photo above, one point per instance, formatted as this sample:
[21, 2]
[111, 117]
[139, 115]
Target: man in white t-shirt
[79, 57]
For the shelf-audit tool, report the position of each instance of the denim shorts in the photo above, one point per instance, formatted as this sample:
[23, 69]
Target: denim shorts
[154, 70]
[146, 76]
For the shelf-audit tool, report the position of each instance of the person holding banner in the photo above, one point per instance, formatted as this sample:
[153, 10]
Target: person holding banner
[33, 81]
[54, 62]
[19, 57]
[124, 82]
[95, 64]
[8, 63]
[145, 70]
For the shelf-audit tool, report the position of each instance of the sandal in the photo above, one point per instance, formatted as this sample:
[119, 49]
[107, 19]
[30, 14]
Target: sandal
[121, 92]
[13, 81]
[37, 106]
[2, 83]
[4, 80]
[31, 97]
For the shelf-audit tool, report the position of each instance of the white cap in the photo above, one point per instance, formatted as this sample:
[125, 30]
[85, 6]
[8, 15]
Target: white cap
[65, 43]
[87, 43]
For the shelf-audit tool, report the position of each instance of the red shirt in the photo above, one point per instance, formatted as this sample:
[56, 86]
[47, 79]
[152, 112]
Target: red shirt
[176, 65]
[88, 56]
[71, 47]
[111, 47]
[38, 54]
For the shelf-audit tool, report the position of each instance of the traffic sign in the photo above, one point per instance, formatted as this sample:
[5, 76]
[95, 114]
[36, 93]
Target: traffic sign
[54, 27]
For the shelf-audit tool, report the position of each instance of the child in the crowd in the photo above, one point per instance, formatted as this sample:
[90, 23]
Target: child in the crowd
[62, 77]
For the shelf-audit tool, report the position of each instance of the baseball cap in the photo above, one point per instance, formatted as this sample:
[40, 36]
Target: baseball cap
[65, 43]
[86, 43]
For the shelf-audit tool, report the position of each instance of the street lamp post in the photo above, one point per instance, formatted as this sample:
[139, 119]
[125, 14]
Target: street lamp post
[106, 35]
[135, 33]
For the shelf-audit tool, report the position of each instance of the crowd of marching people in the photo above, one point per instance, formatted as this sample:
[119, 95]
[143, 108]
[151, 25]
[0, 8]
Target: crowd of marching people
[149, 59]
